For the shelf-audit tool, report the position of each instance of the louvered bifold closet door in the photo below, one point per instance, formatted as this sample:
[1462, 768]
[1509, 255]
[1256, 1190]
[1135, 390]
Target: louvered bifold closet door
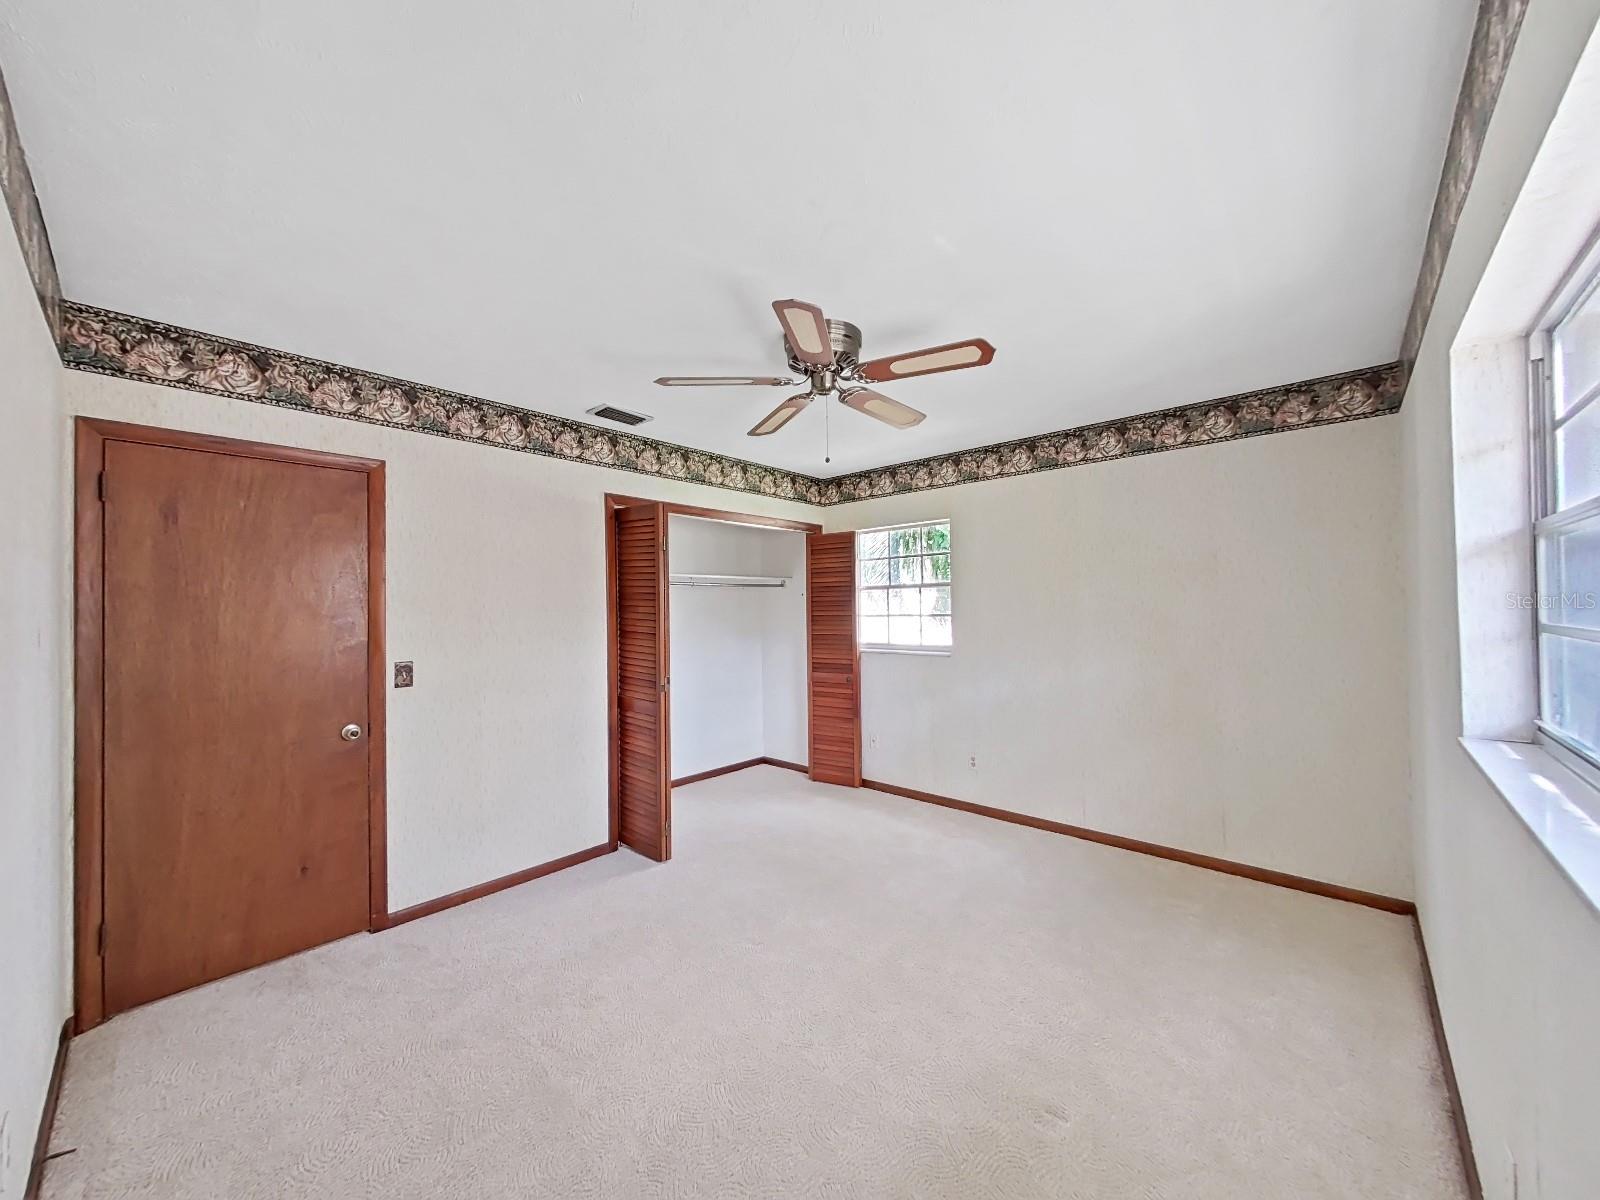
[642, 711]
[835, 678]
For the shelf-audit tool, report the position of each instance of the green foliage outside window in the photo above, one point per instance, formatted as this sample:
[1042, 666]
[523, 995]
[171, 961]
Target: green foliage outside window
[903, 586]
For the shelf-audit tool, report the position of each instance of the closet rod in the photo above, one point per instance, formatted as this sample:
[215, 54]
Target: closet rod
[759, 581]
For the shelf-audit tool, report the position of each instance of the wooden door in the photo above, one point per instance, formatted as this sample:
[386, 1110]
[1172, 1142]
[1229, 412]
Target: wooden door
[835, 680]
[642, 771]
[235, 651]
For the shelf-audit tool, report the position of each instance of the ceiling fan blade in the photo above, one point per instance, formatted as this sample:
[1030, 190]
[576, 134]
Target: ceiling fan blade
[806, 331]
[877, 405]
[725, 381]
[952, 357]
[782, 415]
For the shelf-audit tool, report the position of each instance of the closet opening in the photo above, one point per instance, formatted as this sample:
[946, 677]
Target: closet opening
[731, 643]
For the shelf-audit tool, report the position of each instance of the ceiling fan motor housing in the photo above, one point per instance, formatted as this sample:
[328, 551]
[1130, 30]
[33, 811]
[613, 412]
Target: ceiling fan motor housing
[846, 341]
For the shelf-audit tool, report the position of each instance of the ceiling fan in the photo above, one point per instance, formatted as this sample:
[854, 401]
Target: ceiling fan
[828, 353]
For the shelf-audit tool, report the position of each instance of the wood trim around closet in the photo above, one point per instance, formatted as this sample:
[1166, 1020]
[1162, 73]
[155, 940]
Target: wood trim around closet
[616, 500]
[90, 438]
[613, 797]
[612, 502]
[733, 518]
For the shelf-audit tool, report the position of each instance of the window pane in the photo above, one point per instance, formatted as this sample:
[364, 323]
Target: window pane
[872, 544]
[905, 631]
[1572, 687]
[1569, 576]
[1578, 458]
[905, 541]
[873, 570]
[1577, 347]
[903, 586]
[905, 570]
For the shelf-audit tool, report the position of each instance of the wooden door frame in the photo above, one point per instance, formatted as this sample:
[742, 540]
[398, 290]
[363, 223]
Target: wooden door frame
[614, 501]
[91, 435]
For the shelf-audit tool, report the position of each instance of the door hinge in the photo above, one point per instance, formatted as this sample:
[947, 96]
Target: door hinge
[100, 940]
[100, 486]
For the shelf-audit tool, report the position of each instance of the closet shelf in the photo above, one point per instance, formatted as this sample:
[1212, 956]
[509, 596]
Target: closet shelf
[759, 581]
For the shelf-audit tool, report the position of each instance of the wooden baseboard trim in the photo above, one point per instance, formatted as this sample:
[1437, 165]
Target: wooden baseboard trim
[786, 765]
[1458, 1112]
[47, 1118]
[428, 907]
[1298, 883]
[715, 771]
[739, 766]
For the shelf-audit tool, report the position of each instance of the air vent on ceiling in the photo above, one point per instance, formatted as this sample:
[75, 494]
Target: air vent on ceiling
[608, 412]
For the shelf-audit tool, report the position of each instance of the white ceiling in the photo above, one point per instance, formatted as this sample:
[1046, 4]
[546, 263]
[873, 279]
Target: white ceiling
[550, 204]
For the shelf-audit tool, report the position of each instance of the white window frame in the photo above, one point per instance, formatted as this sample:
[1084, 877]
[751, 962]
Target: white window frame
[1580, 284]
[887, 587]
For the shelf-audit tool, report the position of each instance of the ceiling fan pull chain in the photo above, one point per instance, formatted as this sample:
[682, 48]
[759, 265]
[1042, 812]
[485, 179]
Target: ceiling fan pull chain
[827, 433]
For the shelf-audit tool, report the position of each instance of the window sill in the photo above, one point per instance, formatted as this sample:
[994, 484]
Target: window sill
[1560, 809]
[924, 651]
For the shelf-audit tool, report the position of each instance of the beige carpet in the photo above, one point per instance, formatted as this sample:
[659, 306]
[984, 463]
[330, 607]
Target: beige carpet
[827, 994]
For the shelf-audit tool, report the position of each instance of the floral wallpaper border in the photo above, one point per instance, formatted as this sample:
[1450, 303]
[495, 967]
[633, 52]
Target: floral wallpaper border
[1330, 400]
[112, 343]
[16, 184]
[1493, 38]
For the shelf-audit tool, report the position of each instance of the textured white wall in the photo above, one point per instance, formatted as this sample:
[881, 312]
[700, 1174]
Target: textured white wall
[496, 560]
[1200, 648]
[1515, 949]
[35, 841]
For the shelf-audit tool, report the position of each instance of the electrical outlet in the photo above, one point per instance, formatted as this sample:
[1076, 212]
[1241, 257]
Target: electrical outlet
[973, 761]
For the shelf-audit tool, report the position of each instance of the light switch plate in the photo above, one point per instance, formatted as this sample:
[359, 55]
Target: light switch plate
[404, 674]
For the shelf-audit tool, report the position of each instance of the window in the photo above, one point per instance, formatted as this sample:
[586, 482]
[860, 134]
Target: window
[1566, 394]
[903, 587]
